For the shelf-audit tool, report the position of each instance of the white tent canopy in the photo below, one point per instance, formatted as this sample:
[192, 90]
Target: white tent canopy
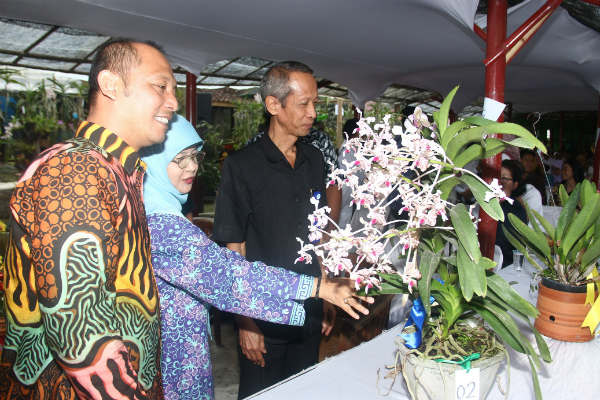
[363, 45]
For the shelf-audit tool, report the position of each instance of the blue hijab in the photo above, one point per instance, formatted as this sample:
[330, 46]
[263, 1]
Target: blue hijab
[160, 196]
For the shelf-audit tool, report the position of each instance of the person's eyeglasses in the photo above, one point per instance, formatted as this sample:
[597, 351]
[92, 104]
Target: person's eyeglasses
[183, 162]
[505, 179]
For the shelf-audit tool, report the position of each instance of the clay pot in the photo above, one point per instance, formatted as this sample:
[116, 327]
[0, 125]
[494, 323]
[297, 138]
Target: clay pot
[562, 310]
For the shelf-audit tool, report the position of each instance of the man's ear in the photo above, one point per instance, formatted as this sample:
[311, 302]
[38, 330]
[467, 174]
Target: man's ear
[109, 83]
[273, 105]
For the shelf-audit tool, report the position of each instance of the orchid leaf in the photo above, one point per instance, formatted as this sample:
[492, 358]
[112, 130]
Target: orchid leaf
[589, 234]
[465, 231]
[520, 142]
[569, 203]
[450, 260]
[509, 295]
[441, 116]
[492, 147]
[516, 243]
[473, 152]
[532, 220]
[450, 299]
[587, 192]
[541, 345]
[538, 240]
[451, 131]
[479, 190]
[448, 238]
[562, 195]
[550, 231]
[581, 223]
[521, 244]
[478, 133]
[388, 288]
[488, 148]
[509, 323]
[475, 134]
[477, 120]
[428, 266]
[577, 247]
[591, 254]
[447, 186]
[502, 304]
[470, 275]
[485, 263]
[392, 279]
[464, 265]
[536, 381]
[497, 324]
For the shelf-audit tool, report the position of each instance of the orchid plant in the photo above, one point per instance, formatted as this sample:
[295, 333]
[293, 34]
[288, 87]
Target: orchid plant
[417, 166]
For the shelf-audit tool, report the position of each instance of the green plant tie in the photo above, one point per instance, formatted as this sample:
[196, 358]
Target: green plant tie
[465, 363]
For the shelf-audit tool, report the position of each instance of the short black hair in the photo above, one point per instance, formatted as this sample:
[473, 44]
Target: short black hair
[516, 170]
[578, 170]
[116, 55]
[528, 152]
[276, 81]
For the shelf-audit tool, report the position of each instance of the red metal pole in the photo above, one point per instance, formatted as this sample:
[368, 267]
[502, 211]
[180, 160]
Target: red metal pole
[596, 177]
[191, 112]
[495, 74]
[521, 35]
[480, 32]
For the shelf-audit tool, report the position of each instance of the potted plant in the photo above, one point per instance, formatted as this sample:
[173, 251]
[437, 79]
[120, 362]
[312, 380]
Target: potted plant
[566, 256]
[460, 306]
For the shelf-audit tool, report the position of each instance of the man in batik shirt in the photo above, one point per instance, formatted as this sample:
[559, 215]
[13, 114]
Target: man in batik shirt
[81, 300]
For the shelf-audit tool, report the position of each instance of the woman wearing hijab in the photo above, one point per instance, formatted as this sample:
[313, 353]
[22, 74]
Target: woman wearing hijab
[193, 272]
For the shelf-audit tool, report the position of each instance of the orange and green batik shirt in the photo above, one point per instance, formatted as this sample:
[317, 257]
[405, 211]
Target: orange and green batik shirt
[81, 303]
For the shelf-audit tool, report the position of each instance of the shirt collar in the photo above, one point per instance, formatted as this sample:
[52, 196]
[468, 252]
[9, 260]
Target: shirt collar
[275, 155]
[112, 144]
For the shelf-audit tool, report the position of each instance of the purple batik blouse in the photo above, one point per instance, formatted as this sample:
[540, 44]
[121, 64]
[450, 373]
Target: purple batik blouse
[193, 273]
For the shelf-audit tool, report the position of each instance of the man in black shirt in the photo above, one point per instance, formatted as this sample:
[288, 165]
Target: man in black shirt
[262, 207]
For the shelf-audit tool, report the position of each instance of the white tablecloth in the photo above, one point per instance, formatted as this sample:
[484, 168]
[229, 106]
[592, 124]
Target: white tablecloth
[574, 373]
[551, 213]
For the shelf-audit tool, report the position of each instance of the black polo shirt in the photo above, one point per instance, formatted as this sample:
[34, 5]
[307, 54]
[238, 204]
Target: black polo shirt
[265, 202]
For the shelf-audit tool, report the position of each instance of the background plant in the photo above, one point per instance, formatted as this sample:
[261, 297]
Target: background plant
[327, 117]
[567, 252]
[380, 110]
[247, 118]
[7, 76]
[44, 115]
[210, 171]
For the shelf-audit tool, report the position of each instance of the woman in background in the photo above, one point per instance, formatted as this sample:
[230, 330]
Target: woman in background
[572, 174]
[510, 180]
[533, 172]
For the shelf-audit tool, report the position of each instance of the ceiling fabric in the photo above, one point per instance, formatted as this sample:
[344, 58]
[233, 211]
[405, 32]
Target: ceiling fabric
[363, 45]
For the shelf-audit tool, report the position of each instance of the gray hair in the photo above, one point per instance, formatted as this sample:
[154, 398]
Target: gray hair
[276, 81]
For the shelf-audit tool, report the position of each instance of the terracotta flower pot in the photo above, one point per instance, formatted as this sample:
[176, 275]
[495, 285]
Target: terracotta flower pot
[562, 310]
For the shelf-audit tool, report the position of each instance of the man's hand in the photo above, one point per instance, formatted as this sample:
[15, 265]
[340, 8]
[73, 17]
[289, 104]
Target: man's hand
[252, 341]
[329, 314]
[340, 291]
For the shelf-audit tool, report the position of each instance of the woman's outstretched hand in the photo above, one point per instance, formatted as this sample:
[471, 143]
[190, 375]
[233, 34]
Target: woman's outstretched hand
[340, 291]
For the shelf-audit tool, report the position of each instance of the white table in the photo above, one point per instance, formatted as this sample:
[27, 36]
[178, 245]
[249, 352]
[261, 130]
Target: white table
[574, 373]
[551, 213]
